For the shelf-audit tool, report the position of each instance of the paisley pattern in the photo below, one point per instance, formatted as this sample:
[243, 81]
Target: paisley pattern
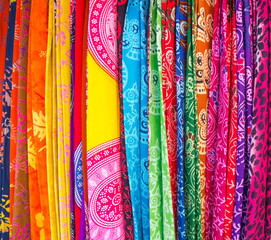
[135, 100]
[232, 138]
[101, 43]
[78, 175]
[104, 186]
[244, 85]
[108, 204]
[213, 102]
[192, 195]
[135, 119]
[222, 125]
[204, 24]
[126, 193]
[181, 31]
[169, 91]
[63, 81]
[161, 209]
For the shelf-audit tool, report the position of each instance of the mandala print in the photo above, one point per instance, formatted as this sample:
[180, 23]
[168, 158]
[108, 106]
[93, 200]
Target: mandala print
[105, 187]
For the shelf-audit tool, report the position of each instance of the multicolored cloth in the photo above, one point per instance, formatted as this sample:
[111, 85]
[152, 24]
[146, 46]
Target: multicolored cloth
[6, 130]
[106, 214]
[135, 119]
[161, 208]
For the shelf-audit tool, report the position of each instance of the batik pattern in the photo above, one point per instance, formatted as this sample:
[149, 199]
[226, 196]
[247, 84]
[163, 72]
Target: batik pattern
[244, 85]
[204, 24]
[161, 209]
[135, 95]
[21, 210]
[213, 102]
[128, 213]
[63, 81]
[181, 34]
[232, 131]
[222, 126]
[192, 195]
[169, 91]
[5, 134]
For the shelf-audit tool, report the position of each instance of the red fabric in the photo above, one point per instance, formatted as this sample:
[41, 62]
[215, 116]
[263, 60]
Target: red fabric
[79, 31]
[169, 93]
[232, 142]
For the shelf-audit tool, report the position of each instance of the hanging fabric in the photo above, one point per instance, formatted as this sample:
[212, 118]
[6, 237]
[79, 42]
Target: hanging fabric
[192, 194]
[135, 103]
[6, 131]
[204, 25]
[36, 141]
[103, 125]
[258, 209]
[181, 48]
[126, 193]
[51, 124]
[20, 215]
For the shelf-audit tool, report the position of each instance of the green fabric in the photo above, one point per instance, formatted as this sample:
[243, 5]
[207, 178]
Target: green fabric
[161, 210]
[191, 161]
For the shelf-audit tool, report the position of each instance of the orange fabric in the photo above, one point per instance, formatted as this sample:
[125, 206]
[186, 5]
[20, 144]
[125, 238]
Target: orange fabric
[204, 18]
[38, 189]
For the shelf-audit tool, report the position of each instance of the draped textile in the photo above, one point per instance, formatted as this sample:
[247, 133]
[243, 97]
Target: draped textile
[192, 193]
[51, 124]
[36, 141]
[103, 131]
[13, 112]
[222, 124]
[6, 130]
[85, 214]
[232, 131]
[244, 85]
[21, 211]
[204, 24]
[80, 225]
[258, 209]
[241, 120]
[250, 51]
[75, 166]
[169, 92]
[212, 121]
[63, 81]
[126, 193]
[181, 47]
[161, 209]
[4, 18]
[135, 106]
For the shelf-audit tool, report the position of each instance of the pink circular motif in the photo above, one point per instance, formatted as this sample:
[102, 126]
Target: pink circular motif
[106, 203]
[102, 34]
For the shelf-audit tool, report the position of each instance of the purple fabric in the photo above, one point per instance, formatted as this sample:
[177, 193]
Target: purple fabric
[249, 21]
